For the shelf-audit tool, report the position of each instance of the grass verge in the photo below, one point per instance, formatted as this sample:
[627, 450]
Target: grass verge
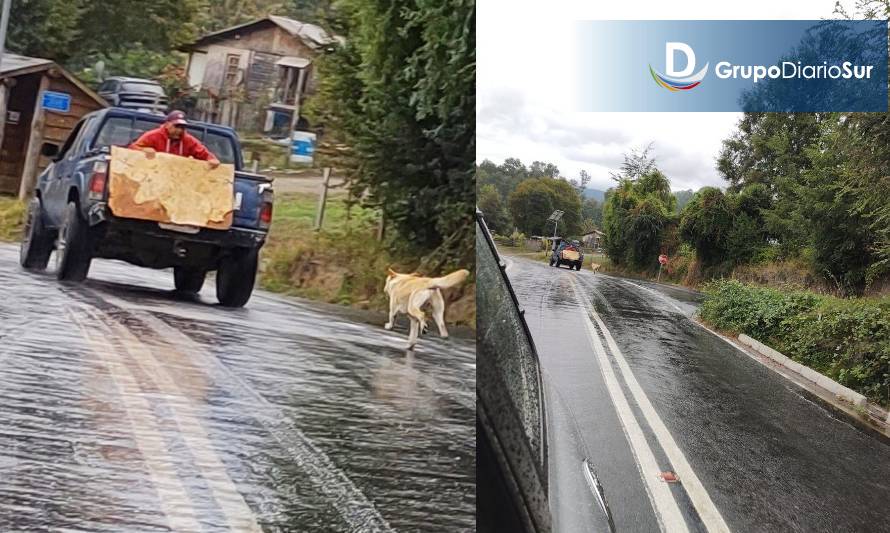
[847, 340]
[343, 263]
[12, 214]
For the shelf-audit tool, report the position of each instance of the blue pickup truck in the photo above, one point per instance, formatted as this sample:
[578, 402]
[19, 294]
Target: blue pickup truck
[69, 212]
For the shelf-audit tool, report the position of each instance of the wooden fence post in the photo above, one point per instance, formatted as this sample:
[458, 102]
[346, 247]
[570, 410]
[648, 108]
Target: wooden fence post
[322, 198]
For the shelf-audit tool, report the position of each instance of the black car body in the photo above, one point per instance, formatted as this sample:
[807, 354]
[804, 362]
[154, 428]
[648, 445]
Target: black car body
[533, 471]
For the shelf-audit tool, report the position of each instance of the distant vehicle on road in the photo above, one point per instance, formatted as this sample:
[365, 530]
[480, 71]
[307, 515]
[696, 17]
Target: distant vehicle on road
[70, 212]
[134, 93]
[566, 252]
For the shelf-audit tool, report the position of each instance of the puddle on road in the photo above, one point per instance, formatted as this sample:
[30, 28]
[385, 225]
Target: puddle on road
[121, 410]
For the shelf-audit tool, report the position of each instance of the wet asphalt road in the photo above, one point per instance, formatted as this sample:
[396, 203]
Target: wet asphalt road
[766, 456]
[123, 408]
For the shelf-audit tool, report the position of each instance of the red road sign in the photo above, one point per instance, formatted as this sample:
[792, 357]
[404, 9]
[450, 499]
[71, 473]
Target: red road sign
[663, 259]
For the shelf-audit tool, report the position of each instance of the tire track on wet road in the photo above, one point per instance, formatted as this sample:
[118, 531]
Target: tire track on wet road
[353, 506]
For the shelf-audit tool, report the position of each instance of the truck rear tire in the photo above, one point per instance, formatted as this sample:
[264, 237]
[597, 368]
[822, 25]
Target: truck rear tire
[578, 266]
[37, 241]
[73, 253]
[188, 279]
[236, 276]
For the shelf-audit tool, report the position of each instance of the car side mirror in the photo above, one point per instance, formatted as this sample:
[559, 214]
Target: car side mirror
[49, 150]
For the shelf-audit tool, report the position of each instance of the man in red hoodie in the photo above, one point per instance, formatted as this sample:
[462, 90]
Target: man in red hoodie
[171, 137]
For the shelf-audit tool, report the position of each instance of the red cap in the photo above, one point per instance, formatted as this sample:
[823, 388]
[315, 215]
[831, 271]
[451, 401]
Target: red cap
[176, 117]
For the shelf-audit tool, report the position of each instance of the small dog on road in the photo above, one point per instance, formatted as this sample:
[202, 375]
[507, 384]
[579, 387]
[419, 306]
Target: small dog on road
[408, 293]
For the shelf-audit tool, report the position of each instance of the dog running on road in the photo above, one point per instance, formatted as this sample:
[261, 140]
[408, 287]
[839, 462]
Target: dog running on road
[408, 293]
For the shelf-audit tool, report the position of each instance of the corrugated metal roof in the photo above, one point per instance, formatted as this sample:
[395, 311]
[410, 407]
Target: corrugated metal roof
[314, 36]
[13, 62]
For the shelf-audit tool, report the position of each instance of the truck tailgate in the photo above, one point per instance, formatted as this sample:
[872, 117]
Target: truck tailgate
[171, 189]
[249, 193]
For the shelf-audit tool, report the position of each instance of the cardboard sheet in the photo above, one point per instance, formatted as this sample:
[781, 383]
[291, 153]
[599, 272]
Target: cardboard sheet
[169, 188]
[570, 255]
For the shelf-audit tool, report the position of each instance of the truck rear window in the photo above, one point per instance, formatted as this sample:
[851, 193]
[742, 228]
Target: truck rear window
[122, 131]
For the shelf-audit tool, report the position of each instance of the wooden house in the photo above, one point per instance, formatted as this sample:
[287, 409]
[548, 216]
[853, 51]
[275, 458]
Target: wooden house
[256, 76]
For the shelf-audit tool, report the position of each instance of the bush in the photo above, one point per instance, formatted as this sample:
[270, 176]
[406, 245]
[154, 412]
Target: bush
[848, 340]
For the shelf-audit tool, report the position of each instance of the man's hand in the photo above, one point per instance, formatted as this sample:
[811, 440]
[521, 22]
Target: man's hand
[213, 163]
[148, 151]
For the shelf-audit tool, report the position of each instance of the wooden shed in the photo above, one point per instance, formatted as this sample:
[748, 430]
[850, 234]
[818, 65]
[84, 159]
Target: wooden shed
[39, 102]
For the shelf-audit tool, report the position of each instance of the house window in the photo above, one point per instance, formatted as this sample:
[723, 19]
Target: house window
[232, 63]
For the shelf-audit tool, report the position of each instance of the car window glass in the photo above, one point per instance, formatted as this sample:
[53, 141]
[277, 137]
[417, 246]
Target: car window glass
[121, 131]
[69, 141]
[506, 356]
[78, 145]
[221, 146]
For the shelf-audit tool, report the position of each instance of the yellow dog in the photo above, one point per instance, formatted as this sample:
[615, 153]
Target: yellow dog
[408, 293]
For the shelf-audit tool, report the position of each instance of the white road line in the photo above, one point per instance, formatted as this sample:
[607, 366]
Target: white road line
[707, 511]
[351, 503]
[179, 399]
[669, 516]
[175, 502]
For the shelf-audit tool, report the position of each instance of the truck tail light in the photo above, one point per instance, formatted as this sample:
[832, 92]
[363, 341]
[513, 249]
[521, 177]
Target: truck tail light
[98, 180]
[266, 197]
[266, 214]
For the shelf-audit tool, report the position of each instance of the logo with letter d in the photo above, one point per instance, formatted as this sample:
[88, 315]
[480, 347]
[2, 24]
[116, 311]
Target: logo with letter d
[674, 80]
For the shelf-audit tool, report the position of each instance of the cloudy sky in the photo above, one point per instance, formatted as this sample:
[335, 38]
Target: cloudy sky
[526, 89]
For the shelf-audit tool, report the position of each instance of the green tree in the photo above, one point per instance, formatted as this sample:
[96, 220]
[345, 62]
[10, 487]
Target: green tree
[540, 169]
[401, 94]
[706, 223]
[646, 223]
[530, 205]
[618, 202]
[496, 217]
[638, 213]
[772, 149]
[535, 199]
[115, 25]
[46, 28]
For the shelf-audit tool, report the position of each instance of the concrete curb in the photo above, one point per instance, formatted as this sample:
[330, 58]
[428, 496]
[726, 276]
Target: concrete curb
[823, 381]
